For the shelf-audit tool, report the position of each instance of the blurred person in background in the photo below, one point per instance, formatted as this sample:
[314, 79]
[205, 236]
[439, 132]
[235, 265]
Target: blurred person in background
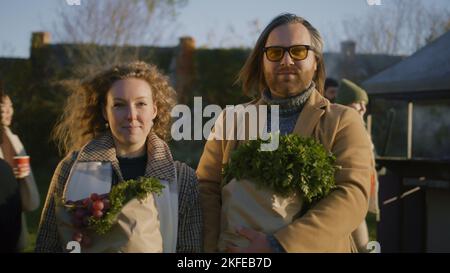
[353, 96]
[11, 147]
[10, 204]
[330, 89]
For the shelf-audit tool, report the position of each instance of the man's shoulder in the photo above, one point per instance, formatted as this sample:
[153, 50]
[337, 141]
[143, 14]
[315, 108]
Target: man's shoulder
[256, 101]
[337, 109]
[337, 117]
[339, 112]
[253, 102]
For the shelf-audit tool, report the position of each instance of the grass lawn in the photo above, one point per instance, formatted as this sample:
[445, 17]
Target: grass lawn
[372, 226]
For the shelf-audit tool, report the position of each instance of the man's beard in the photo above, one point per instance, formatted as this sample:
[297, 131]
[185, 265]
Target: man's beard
[286, 85]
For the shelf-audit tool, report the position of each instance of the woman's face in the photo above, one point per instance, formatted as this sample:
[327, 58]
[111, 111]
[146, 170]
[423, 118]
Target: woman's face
[130, 111]
[7, 111]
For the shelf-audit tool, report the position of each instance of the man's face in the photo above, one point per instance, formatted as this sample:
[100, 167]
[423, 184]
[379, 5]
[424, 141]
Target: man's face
[331, 93]
[289, 77]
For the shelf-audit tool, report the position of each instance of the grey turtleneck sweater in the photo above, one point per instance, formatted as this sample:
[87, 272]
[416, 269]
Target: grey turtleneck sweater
[290, 108]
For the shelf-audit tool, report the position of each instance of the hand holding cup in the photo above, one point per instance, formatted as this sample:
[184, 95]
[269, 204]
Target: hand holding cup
[22, 168]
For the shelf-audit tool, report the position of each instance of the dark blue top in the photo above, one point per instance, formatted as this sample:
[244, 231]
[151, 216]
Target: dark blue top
[132, 168]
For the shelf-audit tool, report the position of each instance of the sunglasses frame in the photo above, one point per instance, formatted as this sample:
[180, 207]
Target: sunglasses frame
[288, 50]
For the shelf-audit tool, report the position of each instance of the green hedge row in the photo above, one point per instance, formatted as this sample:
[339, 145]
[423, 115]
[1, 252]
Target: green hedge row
[38, 95]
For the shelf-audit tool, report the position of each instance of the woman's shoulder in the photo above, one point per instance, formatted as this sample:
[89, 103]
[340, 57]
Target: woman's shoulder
[14, 139]
[64, 166]
[62, 172]
[187, 185]
[185, 173]
[70, 157]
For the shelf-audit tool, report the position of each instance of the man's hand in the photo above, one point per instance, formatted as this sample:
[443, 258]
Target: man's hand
[258, 242]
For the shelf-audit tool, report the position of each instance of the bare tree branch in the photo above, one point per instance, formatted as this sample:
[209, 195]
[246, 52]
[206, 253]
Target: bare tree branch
[397, 27]
[115, 24]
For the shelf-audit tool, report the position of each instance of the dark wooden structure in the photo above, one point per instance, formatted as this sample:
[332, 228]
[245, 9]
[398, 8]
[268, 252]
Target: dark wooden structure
[414, 192]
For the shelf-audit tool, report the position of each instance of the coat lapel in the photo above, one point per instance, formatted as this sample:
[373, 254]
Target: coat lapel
[160, 163]
[310, 115]
[101, 149]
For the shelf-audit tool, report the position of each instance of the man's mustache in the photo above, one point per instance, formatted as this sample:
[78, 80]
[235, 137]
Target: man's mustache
[282, 71]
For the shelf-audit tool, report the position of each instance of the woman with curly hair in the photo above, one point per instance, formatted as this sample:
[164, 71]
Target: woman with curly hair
[114, 128]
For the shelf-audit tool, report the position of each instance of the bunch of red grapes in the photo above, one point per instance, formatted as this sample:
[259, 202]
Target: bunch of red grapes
[94, 206]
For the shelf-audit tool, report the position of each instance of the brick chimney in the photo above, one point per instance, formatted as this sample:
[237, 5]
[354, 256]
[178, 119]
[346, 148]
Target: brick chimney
[348, 67]
[40, 39]
[348, 49]
[184, 67]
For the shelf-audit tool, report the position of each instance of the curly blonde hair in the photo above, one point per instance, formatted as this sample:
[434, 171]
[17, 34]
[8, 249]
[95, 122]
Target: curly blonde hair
[82, 119]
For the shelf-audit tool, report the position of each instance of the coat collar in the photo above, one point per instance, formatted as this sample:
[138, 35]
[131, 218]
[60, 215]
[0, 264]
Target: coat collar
[310, 114]
[159, 159]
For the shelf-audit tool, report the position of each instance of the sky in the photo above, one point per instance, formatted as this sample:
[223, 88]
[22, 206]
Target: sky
[212, 23]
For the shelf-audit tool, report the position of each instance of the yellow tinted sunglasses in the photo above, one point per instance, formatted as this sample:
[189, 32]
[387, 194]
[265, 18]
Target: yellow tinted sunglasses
[297, 52]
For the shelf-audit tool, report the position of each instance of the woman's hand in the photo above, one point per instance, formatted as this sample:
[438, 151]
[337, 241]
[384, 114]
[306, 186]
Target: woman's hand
[22, 171]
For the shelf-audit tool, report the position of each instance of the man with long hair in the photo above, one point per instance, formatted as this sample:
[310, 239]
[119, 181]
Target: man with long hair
[286, 68]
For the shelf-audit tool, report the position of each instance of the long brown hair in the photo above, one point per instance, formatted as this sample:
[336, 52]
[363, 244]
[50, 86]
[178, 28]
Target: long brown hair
[82, 119]
[251, 75]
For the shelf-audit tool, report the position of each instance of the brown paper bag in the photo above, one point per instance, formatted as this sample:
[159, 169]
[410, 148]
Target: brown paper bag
[137, 229]
[245, 205]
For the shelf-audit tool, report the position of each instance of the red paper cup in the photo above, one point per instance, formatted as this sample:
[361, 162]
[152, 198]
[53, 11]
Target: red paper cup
[22, 160]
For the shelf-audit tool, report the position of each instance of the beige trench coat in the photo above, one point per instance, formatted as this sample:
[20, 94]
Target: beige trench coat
[327, 226]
